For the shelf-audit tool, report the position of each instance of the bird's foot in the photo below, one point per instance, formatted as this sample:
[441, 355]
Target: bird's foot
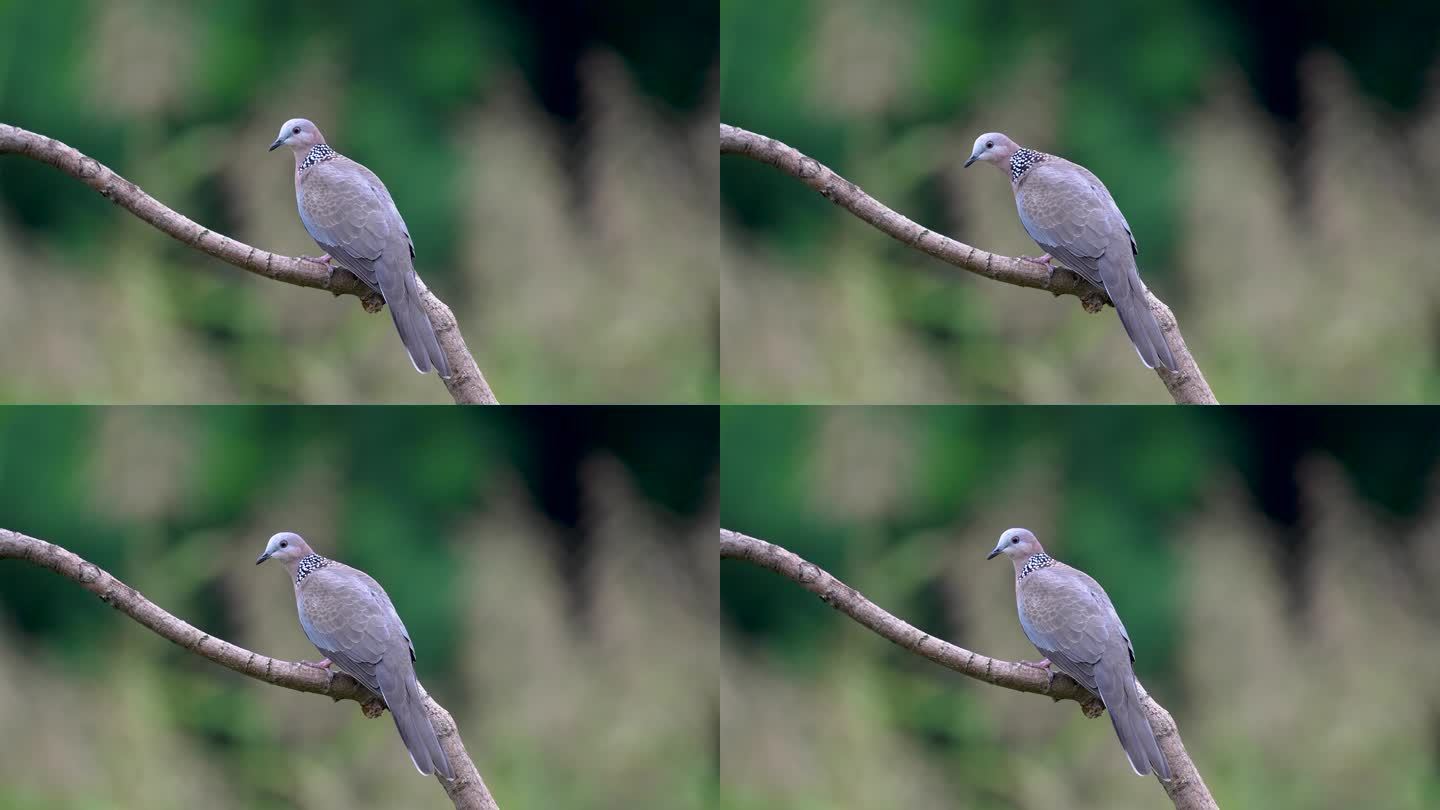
[1043, 663]
[323, 663]
[324, 260]
[1045, 262]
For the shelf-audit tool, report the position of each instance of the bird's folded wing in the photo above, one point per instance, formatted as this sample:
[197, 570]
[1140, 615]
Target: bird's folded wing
[1073, 219]
[344, 215]
[1063, 620]
[344, 620]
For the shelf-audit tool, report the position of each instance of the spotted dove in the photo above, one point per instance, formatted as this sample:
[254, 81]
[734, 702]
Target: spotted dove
[349, 618]
[1069, 618]
[1069, 212]
[350, 214]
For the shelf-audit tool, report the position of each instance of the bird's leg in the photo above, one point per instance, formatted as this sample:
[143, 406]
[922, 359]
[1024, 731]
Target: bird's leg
[1043, 663]
[323, 663]
[1044, 260]
[324, 259]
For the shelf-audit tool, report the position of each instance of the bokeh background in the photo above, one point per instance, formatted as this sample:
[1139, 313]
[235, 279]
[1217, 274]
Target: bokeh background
[1276, 570]
[556, 567]
[555, 161]
[1277, 162]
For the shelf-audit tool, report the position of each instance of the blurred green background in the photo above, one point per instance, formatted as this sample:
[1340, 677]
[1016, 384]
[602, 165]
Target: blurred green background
[1275, 568]
[554, 160]
[1277, 162]
[556, 567]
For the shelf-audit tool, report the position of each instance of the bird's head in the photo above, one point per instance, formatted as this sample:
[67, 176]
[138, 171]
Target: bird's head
[993, 147]
[1017, 544]
[299, 134]
[287, 547]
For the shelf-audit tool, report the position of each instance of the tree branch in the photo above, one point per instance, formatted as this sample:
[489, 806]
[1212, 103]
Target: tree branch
[1186, 385]
[467, 791]
[1186, 789]
[466, 384]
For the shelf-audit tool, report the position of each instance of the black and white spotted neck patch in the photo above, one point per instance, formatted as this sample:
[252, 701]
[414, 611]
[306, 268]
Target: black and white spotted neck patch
[1022, 160]
[309, 565]
[1035, 563]
[319, 153]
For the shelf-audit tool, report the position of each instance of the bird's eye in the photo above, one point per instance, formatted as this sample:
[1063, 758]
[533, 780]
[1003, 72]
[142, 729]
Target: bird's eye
[295, 131]
[989, 144]
[284, 543]
[1013, 541]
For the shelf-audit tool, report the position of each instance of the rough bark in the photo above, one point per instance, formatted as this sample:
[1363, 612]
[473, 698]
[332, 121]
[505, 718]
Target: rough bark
[466, 385]
[466, 791]
[1186, 788]
[1186, 385]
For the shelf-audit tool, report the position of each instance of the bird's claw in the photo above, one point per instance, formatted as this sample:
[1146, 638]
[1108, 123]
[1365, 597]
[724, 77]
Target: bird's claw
[1043, 663]
[1045, 261]
[323, 663]
[324, 261]
[330, 278]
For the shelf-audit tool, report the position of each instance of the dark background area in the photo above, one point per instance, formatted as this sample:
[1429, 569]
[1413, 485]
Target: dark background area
[1391, 52]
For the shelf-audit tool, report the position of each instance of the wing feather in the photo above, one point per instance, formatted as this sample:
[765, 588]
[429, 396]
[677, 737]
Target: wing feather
[348, 617]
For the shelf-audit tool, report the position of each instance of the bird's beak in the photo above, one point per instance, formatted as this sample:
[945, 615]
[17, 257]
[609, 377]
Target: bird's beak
[992, 554]
[966, 166]
[279, 141]
[266, 555]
